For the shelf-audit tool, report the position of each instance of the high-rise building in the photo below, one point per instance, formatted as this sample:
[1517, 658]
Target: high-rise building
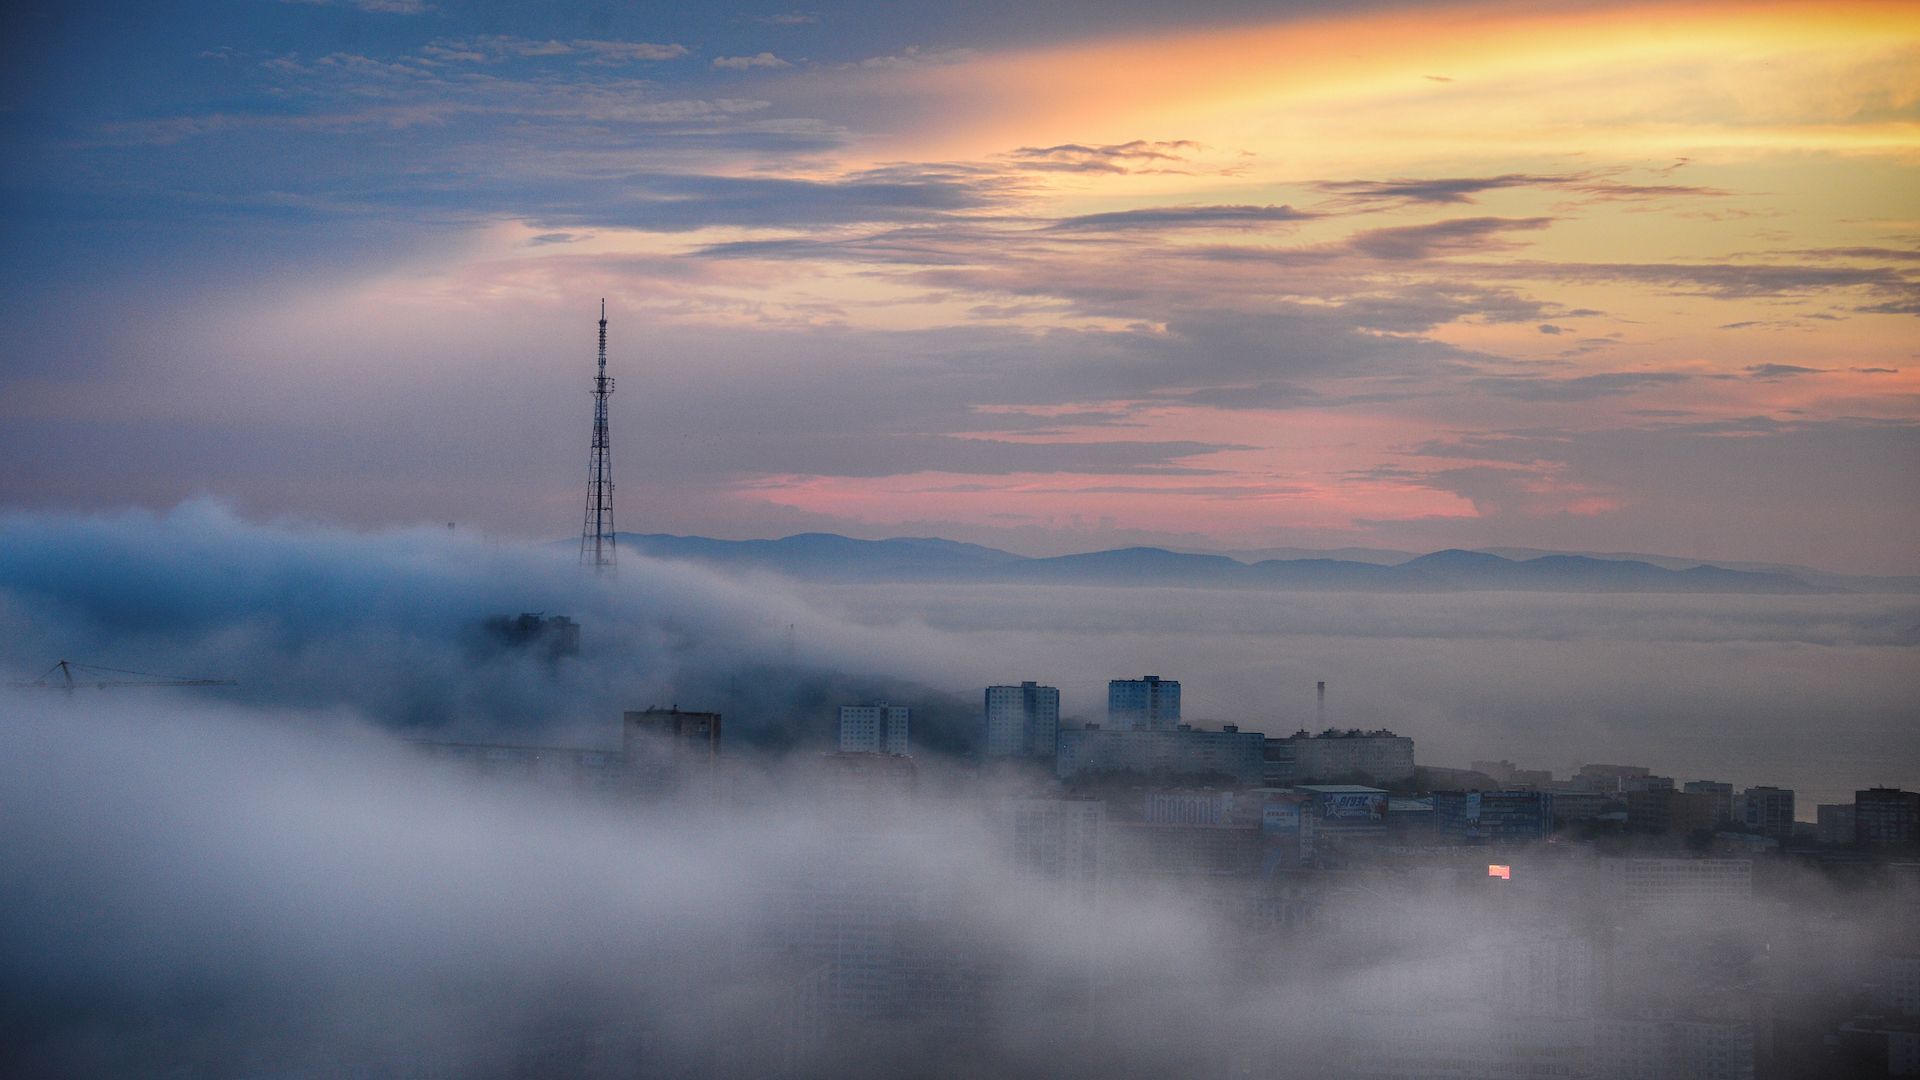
[878, 728]
[1664, 810]
[1609, 778]
[1055, 839]
[1833, 824]
[669, 736]
[1722, 793]
[1022, 721]
[1147, 703]
[1886, 817]
[1768, 810]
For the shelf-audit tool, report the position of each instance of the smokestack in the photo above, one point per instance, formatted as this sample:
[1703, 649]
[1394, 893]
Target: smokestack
[1320, 704]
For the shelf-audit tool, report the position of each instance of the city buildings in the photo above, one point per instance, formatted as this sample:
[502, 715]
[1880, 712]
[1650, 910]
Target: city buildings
[1886, 817]
[1676, 884]
[1335, 756]
[1022, 721]
[657, 746]
[1510, 775]
[1184, 751]
[1673, 1048]
[669, 736]
[1059, 840]
[1767, 811]
[1149, 703]
[1664, 810]
[1721, 794]
[1347, 808]
[1833, 824]
[1189, 807]
[861, 946]
[878, 728]
[1609, 777]
[553, 766]
[553, 636]
[1493, 816]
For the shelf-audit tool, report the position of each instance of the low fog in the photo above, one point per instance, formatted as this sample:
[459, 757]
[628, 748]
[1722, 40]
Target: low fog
[277, 879]
[1812, 692]
[196, 889]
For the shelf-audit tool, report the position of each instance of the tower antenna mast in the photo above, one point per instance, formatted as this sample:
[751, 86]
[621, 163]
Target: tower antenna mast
[596, 535]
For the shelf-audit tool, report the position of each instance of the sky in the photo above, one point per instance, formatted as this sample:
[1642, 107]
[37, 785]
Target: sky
[1049, 276]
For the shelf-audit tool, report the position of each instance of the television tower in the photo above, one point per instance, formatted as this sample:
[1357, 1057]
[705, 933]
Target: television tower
[596, 536]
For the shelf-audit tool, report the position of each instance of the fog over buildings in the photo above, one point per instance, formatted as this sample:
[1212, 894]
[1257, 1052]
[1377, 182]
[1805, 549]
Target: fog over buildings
[421, 838]
[1226, 540]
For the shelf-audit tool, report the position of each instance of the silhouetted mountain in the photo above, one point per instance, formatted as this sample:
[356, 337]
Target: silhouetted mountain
[1826, 580]
[1130, 566]
[829, 557]
[833, 557]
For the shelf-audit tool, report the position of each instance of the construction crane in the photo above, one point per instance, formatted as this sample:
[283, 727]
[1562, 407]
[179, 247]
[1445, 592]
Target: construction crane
[66, 680]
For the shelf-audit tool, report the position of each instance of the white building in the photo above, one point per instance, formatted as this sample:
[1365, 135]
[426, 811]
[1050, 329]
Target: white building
[1189, 807]
[1683, 885]
[1022, 721]
[1149, 702]
[1060, 840]
[879, 728]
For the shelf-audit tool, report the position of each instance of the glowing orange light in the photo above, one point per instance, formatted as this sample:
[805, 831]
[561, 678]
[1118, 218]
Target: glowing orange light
[1504, 873]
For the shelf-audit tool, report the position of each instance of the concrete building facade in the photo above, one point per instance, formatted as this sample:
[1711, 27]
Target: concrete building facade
[1182, 751]
[1378, 756]
[1767, 810]
[1493, 816]
[1886, 817]
[1022, 721]
[878, 728]
[1148, 703]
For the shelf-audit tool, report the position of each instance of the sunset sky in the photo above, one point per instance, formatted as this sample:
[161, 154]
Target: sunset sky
[1047, 276]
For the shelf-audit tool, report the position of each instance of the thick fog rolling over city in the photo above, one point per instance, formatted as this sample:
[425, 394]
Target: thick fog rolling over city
[1103, 539]
[1808, 691]
[281, 876]
[221, 890]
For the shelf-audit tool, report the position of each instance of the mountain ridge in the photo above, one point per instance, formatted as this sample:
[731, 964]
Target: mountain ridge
[933, 560]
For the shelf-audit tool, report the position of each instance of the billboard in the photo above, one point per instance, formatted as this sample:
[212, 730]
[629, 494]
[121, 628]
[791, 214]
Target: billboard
[1354, 807]
[1280, 816]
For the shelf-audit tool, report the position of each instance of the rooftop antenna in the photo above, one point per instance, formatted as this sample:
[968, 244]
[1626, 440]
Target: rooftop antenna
[596, 534]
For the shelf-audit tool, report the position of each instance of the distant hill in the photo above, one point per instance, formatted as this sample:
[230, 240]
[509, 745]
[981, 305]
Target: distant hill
[830, 557]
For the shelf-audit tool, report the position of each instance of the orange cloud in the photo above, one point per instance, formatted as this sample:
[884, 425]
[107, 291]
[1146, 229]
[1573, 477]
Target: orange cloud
[1762, 74]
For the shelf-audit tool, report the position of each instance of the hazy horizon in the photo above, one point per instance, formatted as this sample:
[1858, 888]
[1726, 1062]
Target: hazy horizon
[384, 622]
